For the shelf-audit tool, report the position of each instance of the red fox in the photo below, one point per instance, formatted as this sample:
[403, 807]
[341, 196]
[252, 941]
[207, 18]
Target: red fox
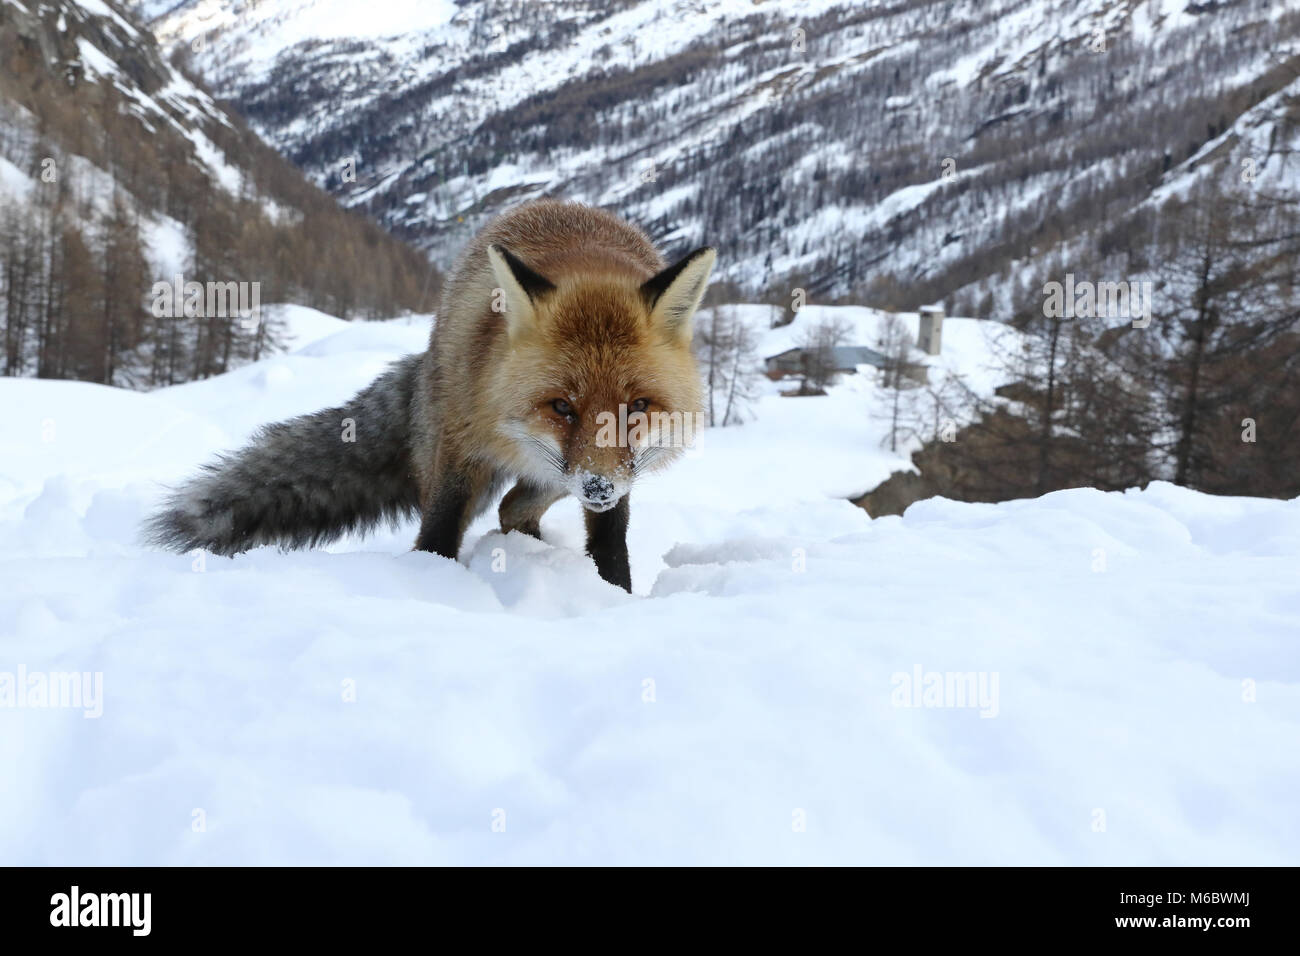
[557, 320]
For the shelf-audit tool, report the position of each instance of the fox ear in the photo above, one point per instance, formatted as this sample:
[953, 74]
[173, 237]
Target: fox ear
[674, 294]
[521, 286]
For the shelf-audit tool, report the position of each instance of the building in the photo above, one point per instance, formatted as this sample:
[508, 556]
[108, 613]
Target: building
[844, 358]
[929, 329]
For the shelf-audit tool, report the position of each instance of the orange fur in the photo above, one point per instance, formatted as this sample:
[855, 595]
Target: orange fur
[593, 337]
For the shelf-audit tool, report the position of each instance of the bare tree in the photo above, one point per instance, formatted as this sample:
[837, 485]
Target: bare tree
[726, 348]
[742, 376]
[819, 343]
[899, 377]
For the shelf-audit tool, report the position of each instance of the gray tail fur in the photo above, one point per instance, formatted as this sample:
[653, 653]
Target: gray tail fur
[299, 483]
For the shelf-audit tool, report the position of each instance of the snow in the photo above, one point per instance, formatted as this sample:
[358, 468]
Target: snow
[971, 348]
[101, 9]
[1254, 136]
[14, 183]
[226, 175]
[369, 704]
[170, 250]
[96, 60]
[299, 21]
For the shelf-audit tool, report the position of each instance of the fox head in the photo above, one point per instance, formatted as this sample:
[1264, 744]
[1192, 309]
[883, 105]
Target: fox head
[598, 383]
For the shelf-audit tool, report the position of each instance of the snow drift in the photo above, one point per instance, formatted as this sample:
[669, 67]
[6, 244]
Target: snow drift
[1083, 678]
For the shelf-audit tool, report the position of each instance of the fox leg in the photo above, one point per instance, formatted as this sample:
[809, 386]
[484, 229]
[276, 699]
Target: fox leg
[453, 501]
[523, 506]
[607, 543]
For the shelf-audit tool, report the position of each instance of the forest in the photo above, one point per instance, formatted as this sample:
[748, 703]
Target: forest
[113, 196]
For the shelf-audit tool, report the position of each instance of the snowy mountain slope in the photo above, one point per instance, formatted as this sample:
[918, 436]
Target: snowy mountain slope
[117, 170]
[906, 152]
[93, 45]
[750, 704]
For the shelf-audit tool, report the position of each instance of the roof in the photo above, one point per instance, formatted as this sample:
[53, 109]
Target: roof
[842, 356]
[851, 356]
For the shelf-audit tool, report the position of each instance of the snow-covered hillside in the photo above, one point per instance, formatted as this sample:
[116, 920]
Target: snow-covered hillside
[100, 47]
[766, 696]
[119, 171]
[923, 147]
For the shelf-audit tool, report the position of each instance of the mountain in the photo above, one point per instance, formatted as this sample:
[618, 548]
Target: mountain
[889, 152]
[118, 172]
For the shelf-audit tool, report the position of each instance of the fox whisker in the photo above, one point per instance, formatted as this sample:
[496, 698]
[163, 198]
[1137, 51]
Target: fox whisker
[548, 453]
[646, 457]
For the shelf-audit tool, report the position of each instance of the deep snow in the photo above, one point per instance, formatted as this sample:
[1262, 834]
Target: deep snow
[1137, 654]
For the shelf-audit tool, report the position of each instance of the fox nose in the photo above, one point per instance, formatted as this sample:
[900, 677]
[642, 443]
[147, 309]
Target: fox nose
[597, 489]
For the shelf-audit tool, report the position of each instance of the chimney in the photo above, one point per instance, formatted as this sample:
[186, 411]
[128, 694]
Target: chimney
[929, 329]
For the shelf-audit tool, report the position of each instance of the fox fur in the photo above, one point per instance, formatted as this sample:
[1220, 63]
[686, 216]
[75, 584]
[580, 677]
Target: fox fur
[555, 315]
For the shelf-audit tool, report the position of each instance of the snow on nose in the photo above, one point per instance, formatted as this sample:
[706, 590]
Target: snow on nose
[597, 489]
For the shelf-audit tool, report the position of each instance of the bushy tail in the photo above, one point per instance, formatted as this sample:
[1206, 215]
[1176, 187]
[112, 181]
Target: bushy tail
[302, 483]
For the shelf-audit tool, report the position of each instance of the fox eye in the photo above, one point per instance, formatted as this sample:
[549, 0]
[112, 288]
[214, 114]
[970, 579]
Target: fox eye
[562, 408]
[640, 405]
